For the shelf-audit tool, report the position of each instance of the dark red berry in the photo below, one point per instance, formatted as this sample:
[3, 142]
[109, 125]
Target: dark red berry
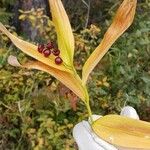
[46, 52]
[41, 48]
[50, 45]
[58, 60]
[56, 52]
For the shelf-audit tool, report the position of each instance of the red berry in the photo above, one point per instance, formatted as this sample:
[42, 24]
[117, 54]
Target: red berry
[41, 48]
[46, 52]
[58, 60]
[50, 45]
[56, 52]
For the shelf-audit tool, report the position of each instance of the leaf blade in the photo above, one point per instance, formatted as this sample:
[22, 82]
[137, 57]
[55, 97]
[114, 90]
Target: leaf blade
[64, 32]
[123, 131]
[123, 19]
[31, 50]
[73, 82]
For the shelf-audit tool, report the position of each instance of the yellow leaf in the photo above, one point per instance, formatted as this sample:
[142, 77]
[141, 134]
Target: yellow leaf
[31, 50]
[123, 19]
[64, 31]
[123, 131]
[72, 81]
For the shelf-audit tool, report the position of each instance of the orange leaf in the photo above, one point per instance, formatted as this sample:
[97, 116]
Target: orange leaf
[72, 81]
[123, 19]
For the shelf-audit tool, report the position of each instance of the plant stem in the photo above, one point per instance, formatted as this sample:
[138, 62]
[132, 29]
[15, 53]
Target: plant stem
[87, 104]
[89, 111]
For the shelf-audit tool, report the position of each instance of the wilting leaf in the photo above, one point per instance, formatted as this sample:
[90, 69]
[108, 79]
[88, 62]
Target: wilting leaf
[73, 82]
[12, 60]
[123, 131]
[31, 50]
[123, 19]
[64, 31]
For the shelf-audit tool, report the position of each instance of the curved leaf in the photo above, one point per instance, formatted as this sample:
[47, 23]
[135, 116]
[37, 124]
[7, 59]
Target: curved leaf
[123, 19]
[123, 131]
[12, 60]
[31, 50]
[64, 31]
[73, 82]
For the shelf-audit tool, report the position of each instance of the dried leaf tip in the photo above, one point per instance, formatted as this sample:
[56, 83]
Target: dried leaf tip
[125, 13]
[12, 60]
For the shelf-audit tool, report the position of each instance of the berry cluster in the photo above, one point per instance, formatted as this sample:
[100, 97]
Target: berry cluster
[48, 49]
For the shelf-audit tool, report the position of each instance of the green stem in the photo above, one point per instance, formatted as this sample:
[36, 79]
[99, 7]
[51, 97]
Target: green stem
[87, 104]
[89, 112]
[86, 100]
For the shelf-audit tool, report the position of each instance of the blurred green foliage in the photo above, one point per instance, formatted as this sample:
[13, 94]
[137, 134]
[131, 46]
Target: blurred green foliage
[5, 10]
[33, 113]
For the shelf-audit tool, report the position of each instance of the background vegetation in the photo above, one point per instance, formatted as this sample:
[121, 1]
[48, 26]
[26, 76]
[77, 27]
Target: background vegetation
[35, 111]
